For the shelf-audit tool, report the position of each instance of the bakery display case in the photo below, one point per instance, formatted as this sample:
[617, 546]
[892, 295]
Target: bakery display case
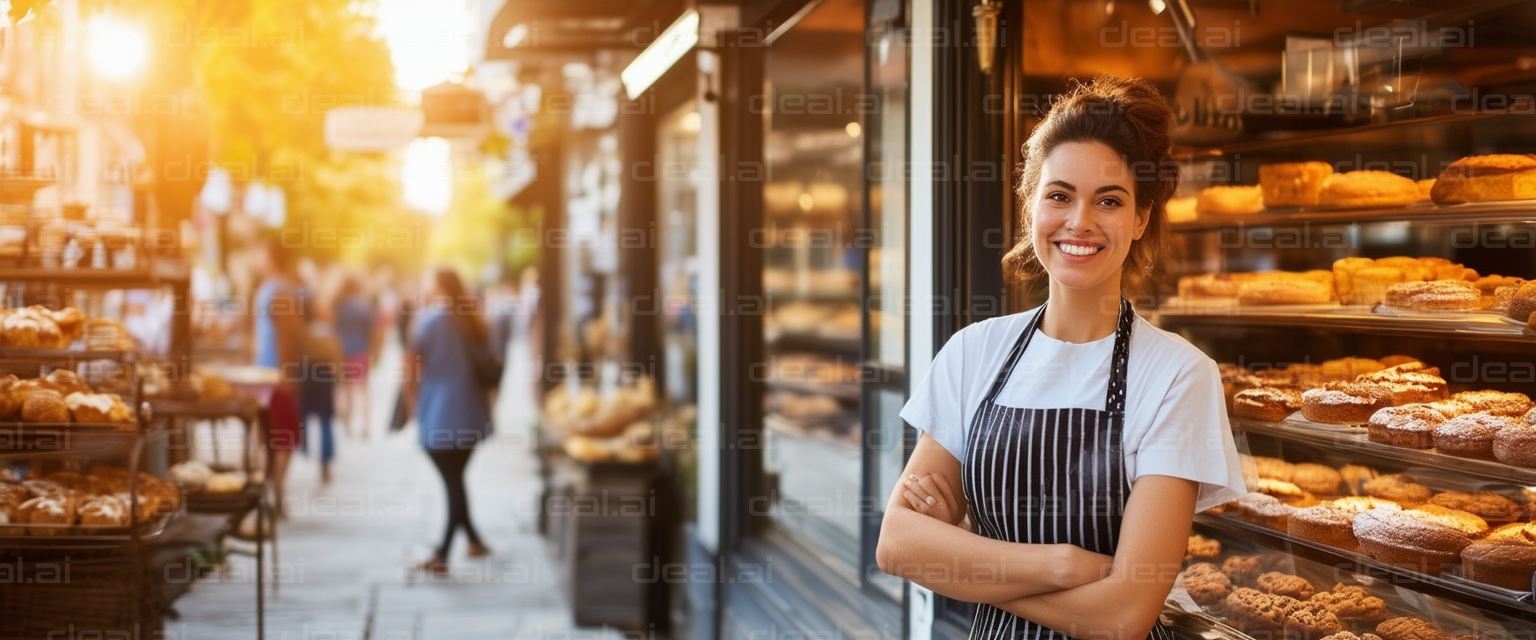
[1367, 290]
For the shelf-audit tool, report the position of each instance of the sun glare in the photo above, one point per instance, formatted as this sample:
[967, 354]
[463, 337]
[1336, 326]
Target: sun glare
[428, 40]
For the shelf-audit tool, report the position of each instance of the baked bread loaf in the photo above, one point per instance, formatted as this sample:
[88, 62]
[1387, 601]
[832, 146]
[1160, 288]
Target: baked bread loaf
[1367, 189]
[98, 408]
[1424, 538]
[1355, 477]
[1491, 507]
[1500, 403]
[64, 381]
[1506, 558]
[1470, 435]
[1332, 522]
[1426, 188]
[1397, 360]
[1344, 402]
[1409, 425]
[1266, 403]
[71, 323]
[1435, 295]
[1515, 444]
[44, 406]
[1181, 210]
[11, 396]
[1486, 178]
[103, 511]
[30, 329]
[1229, 201]
[1293, 184]
[1274, 468]
[57, 511]
[1205, 583]
[1349, 368]
[1272, 292]
[1398, 487]
[1373, 283]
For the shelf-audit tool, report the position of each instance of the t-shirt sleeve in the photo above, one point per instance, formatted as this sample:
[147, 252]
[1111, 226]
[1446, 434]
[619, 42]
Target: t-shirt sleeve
[1191, 438]
[937, 405]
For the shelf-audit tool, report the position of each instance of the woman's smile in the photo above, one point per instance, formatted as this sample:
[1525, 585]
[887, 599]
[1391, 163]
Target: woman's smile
[1079, 251]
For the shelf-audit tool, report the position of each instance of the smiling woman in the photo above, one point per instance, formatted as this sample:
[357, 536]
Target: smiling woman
[1048, 433]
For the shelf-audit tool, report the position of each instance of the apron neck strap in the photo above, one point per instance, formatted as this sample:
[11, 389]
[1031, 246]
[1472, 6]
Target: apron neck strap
[1114, 399]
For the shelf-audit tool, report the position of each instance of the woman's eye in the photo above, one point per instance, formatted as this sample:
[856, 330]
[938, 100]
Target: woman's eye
[1109, 202]
[1057, 197]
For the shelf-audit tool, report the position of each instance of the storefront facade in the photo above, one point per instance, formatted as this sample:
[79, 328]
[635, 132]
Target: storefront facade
[828, 189]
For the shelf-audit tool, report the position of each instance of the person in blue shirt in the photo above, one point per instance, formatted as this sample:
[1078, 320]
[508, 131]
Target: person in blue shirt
[452, 405]
[354, 318]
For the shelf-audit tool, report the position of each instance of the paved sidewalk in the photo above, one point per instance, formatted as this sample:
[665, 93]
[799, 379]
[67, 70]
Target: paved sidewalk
[346, 548]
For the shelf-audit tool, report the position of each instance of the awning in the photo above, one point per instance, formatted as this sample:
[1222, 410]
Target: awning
[560, 31]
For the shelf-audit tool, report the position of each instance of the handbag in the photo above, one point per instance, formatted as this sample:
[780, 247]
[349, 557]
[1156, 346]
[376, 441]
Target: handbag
[485, 365]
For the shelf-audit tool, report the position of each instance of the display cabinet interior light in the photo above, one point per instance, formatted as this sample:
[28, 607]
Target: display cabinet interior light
[1158, 6]
[854, 129]
[648, 67]
[986, 33]
[516, 36]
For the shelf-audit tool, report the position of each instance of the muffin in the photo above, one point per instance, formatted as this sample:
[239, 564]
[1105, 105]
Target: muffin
[1205, 583]
[1398, 487]
[1409, 425]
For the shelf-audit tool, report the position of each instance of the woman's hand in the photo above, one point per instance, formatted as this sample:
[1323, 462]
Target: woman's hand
[930, 495]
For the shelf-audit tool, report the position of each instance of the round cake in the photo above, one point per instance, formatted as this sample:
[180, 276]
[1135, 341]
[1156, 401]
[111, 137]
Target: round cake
[1424, 538]
[1516, 444]
[1409, 425]
[1470, 435]
[1271, 404]
[1332, 523]
[1522, 302]
[1411, 382]
[1264, 510]
[1344, 402]
[1506, 558]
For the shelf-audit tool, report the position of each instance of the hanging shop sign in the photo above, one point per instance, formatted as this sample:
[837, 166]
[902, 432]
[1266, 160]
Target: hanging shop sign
[371, 128]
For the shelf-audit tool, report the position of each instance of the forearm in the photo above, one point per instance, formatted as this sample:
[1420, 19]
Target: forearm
[1137, 591]
[965, 566]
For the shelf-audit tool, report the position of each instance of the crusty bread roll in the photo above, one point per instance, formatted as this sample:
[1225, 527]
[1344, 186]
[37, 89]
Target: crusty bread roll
[98, 408]
[1368, 189]
[1483, 178]
[1230, 200]
[1293, 184]
[44, 405]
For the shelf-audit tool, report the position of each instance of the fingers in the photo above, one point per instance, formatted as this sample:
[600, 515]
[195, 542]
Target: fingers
[945, 489]
[914, 502]
[923, 488]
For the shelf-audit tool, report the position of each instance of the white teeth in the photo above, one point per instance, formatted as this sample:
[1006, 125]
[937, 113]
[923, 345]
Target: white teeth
[1078, 250]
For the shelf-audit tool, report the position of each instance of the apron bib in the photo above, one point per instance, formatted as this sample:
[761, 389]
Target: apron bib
[1048, 476]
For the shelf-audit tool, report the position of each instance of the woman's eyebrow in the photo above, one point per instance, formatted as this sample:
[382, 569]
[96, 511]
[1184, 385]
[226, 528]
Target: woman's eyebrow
[1063, 184]
[1111, 187]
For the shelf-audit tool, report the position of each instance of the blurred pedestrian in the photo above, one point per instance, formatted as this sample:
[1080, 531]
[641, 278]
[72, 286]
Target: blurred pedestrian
[278, 333]
[446, 382]
[355, 317]
[322, 356]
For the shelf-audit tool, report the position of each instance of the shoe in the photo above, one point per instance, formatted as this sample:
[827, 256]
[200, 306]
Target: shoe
[477, 550]
[434, 566]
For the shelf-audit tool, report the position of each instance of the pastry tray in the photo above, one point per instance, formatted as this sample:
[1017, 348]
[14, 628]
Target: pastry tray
[1297, 421]
[82, 536]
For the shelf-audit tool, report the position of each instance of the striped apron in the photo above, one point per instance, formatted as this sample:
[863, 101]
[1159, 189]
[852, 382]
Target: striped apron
[1048, 476]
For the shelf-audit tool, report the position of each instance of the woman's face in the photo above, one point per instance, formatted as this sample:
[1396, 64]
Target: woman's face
[1085, 215]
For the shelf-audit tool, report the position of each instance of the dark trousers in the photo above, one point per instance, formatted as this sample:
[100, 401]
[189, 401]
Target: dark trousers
[451, 463]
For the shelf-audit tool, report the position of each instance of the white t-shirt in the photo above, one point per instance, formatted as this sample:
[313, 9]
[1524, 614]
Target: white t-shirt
[1175, 415]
